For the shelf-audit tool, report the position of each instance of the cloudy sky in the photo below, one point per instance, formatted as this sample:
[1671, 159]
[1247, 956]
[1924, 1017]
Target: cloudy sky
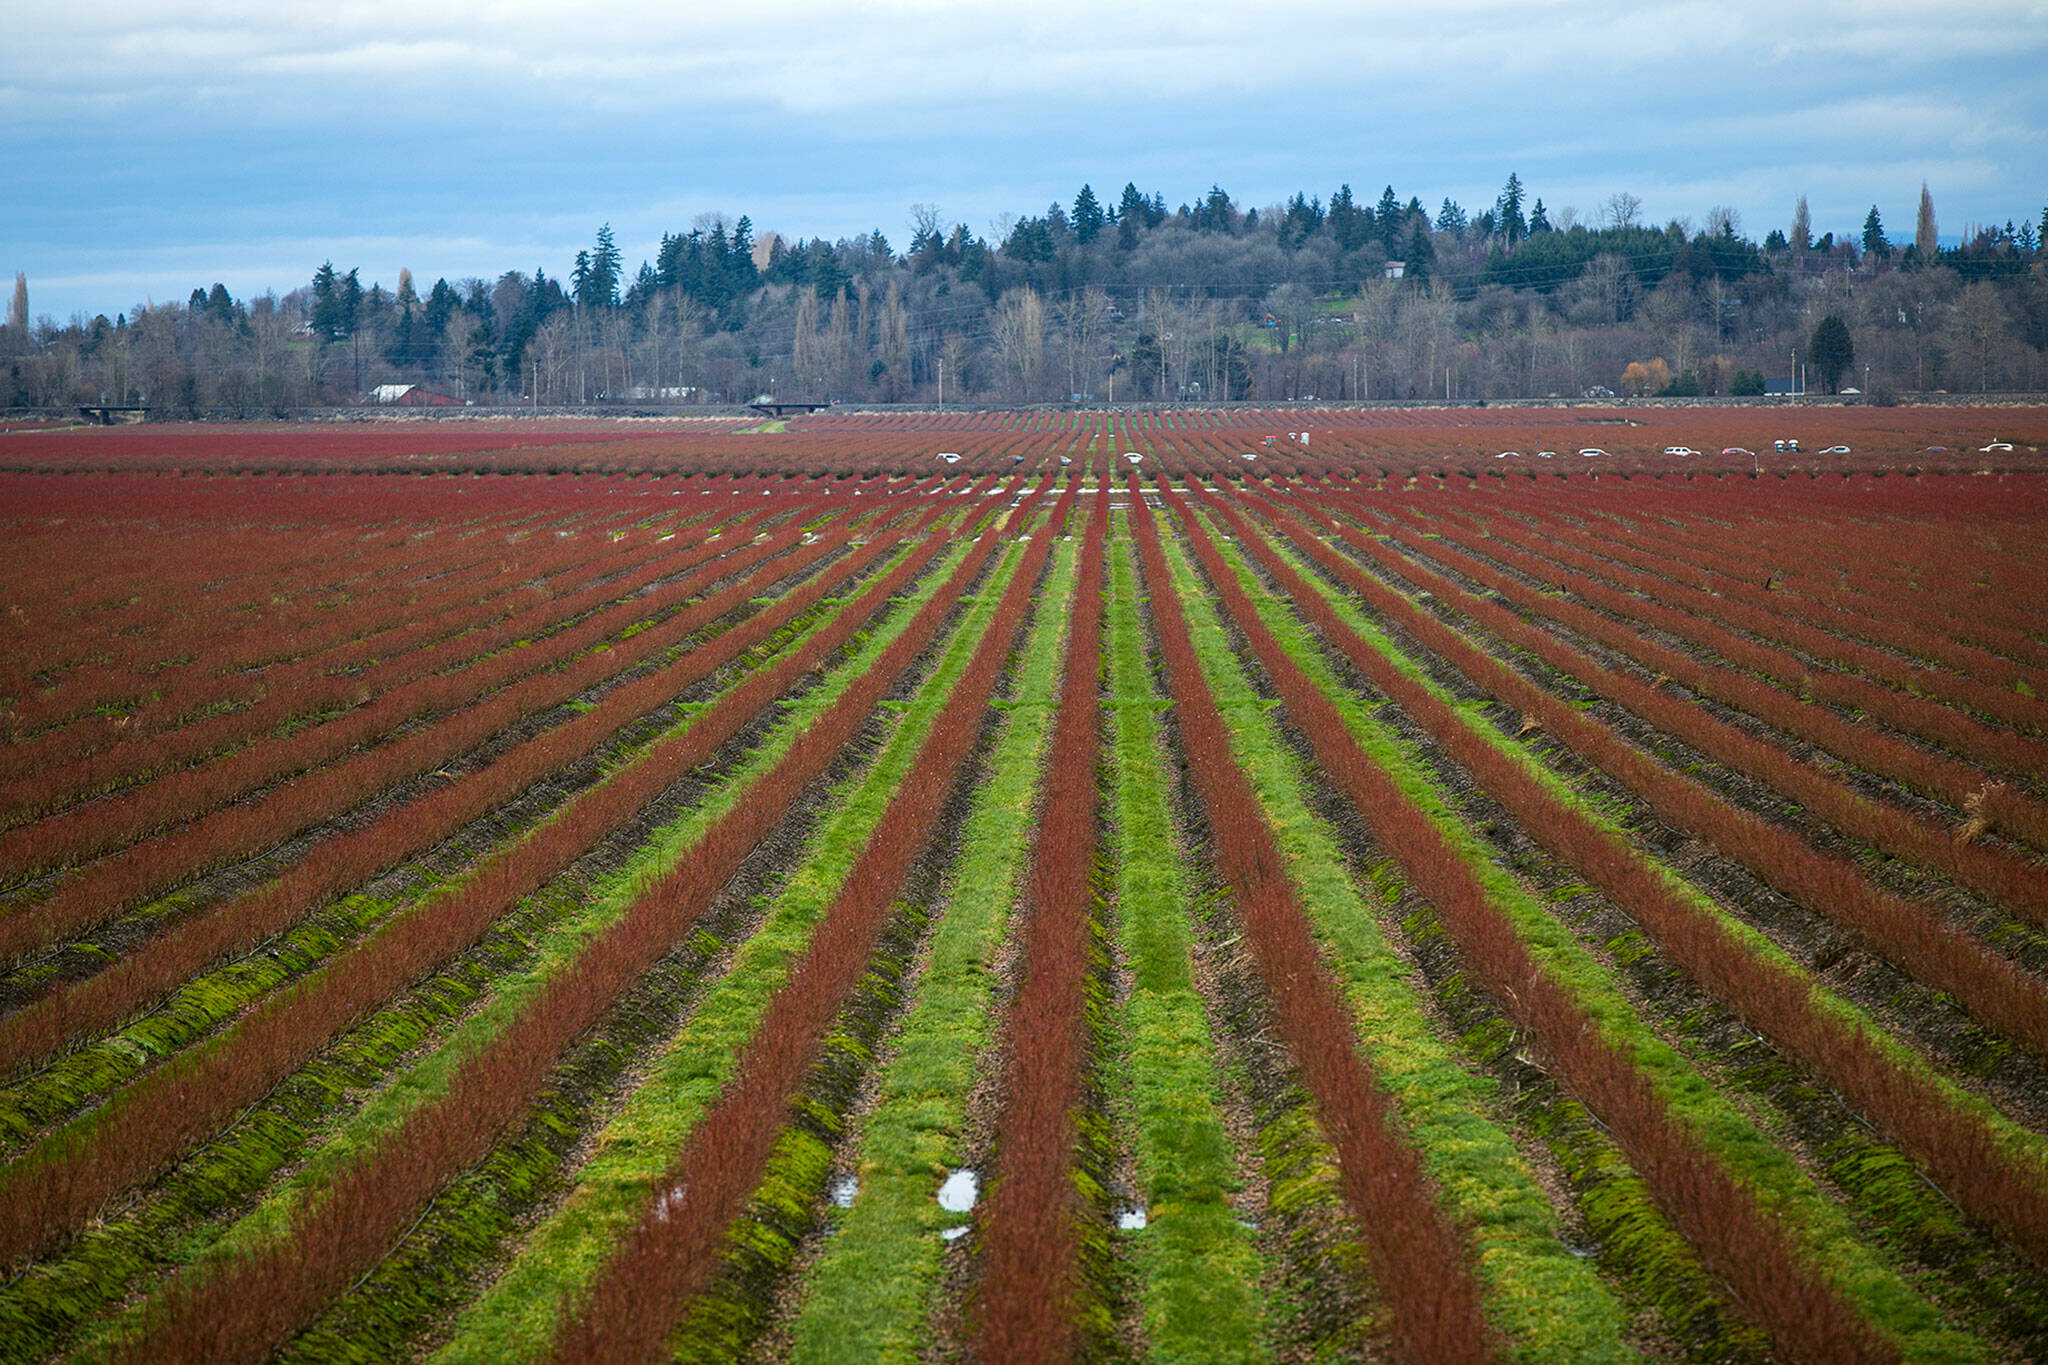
[149, 147]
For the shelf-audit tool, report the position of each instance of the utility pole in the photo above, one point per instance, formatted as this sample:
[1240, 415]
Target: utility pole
[942, 381]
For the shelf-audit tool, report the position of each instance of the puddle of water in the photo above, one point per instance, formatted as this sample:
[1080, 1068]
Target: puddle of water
[845, 1189]
[1131, 1218]
[960, 1191]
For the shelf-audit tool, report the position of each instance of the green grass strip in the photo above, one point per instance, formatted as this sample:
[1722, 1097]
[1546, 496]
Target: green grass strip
[427, 1079]
[1197, 1262]
[1549, 1303]
[870, 1295]
[1814, 1221]
[515, 1318]
[2023, 1142]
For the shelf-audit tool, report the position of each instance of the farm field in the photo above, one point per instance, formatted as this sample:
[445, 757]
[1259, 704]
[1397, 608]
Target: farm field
[1188, 885]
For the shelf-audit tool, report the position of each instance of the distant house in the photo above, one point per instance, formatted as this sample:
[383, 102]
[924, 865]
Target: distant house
[409, 396]
[1395, 269]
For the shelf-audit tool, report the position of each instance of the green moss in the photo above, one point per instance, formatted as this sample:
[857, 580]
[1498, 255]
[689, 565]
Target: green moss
[516, 1316]
[870, 1295]
[1786, 1192]
[514, 964]
[1546, 1300]
[1197, 1264]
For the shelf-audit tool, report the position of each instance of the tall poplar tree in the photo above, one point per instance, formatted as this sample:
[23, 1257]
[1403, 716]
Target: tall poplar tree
[1926, 241]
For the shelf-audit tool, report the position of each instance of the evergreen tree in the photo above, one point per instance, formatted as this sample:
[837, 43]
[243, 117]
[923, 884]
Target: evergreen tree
[325, 322]
[746, 276]
[1873, 235]
[1302, 220]
[1421, 256]
[1507, 211]
[1388, 217]
[1088, 218]
[1349, 225]
[1831, 351]
[1451, 218]
[1216, 213]
[1539, 221]
[596, 280]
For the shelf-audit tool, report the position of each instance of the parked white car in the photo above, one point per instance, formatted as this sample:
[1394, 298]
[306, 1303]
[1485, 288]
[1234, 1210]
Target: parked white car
[1680, 451]
[1836, 450]
[1996, 444]
[1590, 451]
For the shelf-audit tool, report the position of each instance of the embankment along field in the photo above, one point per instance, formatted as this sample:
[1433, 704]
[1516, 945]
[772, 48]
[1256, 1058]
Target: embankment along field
[1240, 886]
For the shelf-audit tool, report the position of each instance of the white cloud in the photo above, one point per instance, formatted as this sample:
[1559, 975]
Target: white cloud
[815, 58]
[456, 136]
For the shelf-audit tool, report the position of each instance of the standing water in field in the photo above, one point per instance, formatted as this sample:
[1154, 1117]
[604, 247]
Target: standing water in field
[960, 1191]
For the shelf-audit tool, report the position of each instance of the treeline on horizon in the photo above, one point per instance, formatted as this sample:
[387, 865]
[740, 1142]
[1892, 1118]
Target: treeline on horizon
[1095, 301]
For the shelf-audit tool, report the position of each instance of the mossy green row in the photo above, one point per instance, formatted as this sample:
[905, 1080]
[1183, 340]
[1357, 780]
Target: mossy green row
[1547, 1302]
[250, 1154]
[517, 1315]
[1197, 1265]
[2025, 1144]
[1892, 1199]
[173, 1224]
[220, 994]
[870, 1296]
[1821, 1229]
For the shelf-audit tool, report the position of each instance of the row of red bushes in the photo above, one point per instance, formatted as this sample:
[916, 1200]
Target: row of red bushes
[154, 864]
[1905, 568]
[1957, 1149]
[1911, 936]
[1678, 605]
[387, 645]
[1029, 1249]
[304, 601]
[337, 864]
[64, 1180]
[646, 1283]
[474, 665]
[1922, 555]
[1420, 1262]
[2015, 881]
[1904, 619]
[1928, 719]
[1723, 1218]
[107, 594]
